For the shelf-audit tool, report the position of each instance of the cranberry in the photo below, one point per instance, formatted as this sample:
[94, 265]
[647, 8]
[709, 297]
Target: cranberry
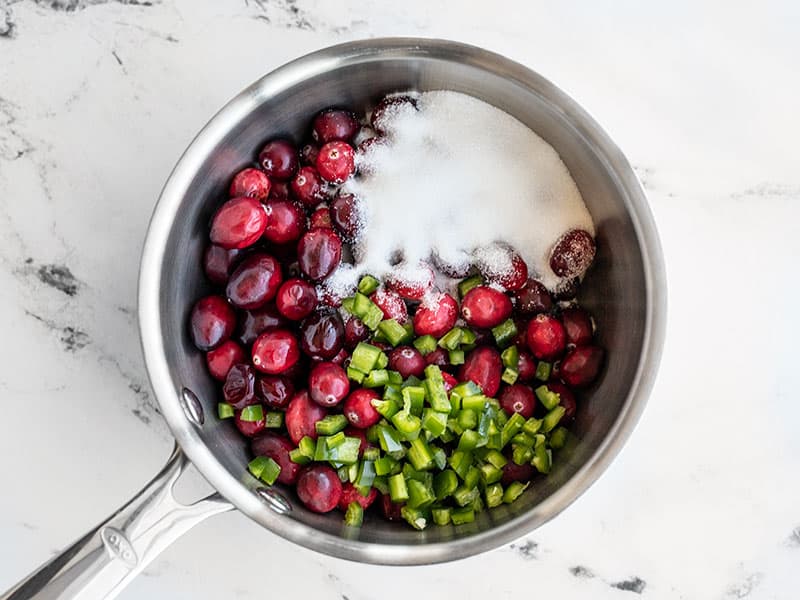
[277, 448]
[391, 304]
[342, 356]
[319, 252]
[328, 384]
[238, 223]
[212, 322]
[512, 278]
[346, 216]
[484, 367]
[308, 154]
[438, 357]
[521, 339]
[280, 190]
[279, 159]
[577, 326]
[351, 494]
[514, 472]
[485, 307]
[407, 361]
[321, 218]
[359, 410]
[387, 108]
[308, 187]
[566, 399]
[333, 124]
[391, 510]
[355, 331]
[254, 282]
[518, 398]
[412, 284]
[336, 161]
[275, 351]
[239, 387]
[301, 417]
[572, 253]
[322, 335]
[546, 337]
[275, 390]
[285, 221]
[222, 358]
[455, 266]
[250, 182]
[319, 488]
[581, 365]
[534, 298]
[567, 289]
[436, 316]
[449, 381]
[249, 428]
[328, 298]
[253, 323]
[526, 367]
[218, 263]
[296, 299]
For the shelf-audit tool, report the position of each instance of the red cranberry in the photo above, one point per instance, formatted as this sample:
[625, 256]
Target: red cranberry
[212, 322]
[449, 381]
[277, 448]
[308, 187]
[238, 223]
[250, 182]
[359, 410]
[249, 428]
[253, 323]
[567, 289]
[351, 494]
[518, 398]
[319, 252]
[301, 417]
[322, 335]
[333, 124]
[336, 161]
[484, 367]
[275, 390]
[342, 356]
[285, 221]
[514, 472]
[521, 339]
[280, 190]
[319, 488]
[581, 365]
[485, 307]
[218, 263]
[513, 278]
[436, 316]
[573, 253]
[275, 351]
[308, 154]
[455, 266]
[577, 326]
[534, 298]
[566, 399]
[321, 218]
[526, 367]
[279, 159]
[407, 361]
[296, 299]
[438, 357]
[412, 286]
[328, 298]
[387, 108]
[546, 337]
[391, 510]
[254, 282]
[346, 216]
[355, 331]
[391, 304]
[239, 387]
[223, 357]
[328, 384]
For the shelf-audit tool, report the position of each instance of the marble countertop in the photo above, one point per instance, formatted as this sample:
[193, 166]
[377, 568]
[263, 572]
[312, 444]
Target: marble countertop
[99, 97]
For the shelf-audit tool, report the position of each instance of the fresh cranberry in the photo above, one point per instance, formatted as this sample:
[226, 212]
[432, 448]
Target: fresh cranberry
[485, 307]
[277, 447]
[239, 389]
[250, 182]
[567, 289]
[389, 107]
[285, 221]
[341, 357]
[296, 299]
[328, 298]
[354, 332]
[279, 159]
[275, 390]
[321, 218]
[512, 276]
[308, 154]
[438, 357]
[526, 367]
[346, 216]
[280, 190]
[301, 417]
[518, 398]
[572, 253]
[484, 367]
[249, 428]
[322, 335]
[577, 326]
[361, 434]
[407, 361]
[351, 494]
[334, 124]
[566, 399]
[359, 410]
[391, 510]
[521, 339]
[319, 252]
[514, 472]
[319, 488]
[218, 263]
[449, 381]
[546, 337]
[212, 322]
[223, 357]
[534, 298]
[328, 384]
[436, 315]
[336, 161]
[308, 187]
[391, 304]
[275, 351]
[581, 365]
[412, 284]
[455, 266]
[238, 223]
[254, 282]
[253, 323]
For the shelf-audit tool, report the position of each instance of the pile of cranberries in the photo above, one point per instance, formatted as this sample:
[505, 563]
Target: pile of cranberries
[281, 348]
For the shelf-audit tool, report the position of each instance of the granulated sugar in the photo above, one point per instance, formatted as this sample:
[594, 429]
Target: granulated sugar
[453, 179]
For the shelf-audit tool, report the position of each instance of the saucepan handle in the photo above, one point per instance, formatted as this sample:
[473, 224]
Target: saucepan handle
[106, 559]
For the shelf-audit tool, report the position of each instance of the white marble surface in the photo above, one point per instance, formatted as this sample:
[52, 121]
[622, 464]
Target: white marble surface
[96, 103]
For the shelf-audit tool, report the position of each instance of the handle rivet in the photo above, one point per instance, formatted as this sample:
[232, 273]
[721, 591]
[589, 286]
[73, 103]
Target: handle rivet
[192, 407]
[274, 500]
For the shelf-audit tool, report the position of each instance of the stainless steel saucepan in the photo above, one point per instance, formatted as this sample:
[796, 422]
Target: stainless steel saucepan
[625, 291]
